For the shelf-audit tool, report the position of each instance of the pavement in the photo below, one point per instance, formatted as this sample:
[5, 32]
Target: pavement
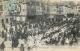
[1, 40]
[44, 47]
[48, 48]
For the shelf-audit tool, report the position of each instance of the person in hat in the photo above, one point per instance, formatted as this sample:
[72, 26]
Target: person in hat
[22, 47]
[2, 45]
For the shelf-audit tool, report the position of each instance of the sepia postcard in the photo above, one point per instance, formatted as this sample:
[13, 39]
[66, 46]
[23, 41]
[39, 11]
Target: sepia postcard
[39, 25]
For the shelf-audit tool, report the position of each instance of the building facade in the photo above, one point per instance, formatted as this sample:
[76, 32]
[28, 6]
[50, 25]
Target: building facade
[23, 12]
[2, 12]
[64, 10]
[34, 9]
[52, 10]
[77, 9]
[19, 14]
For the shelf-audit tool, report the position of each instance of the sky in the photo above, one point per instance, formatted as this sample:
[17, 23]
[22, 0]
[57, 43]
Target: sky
[76, 1]
[64, 0]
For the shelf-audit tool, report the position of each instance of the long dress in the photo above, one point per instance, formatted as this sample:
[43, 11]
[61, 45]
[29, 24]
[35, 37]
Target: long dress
[67, 41]
[30, 41]
[5, 36]
[2, 34]
[37, 40]
[2, 46]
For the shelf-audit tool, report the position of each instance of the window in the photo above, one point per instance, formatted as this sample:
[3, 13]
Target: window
[0, 0]
[78, 10]
[79, 7]
[0, 13]
[5, 0]
[23, 10]
[1, 8]
[6, 20]
[59, 12]
[23, 0]
[10, 19]
[54, 9]
[2, 20]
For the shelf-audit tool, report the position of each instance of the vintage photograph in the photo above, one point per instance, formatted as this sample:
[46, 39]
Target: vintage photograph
[29, 25]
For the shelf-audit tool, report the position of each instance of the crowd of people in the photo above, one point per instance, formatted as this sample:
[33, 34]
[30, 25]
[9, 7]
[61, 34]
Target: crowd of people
[33, 33]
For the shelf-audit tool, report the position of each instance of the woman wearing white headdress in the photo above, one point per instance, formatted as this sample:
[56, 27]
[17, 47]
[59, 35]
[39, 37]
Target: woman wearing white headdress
[66, 41]
[30, 42]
